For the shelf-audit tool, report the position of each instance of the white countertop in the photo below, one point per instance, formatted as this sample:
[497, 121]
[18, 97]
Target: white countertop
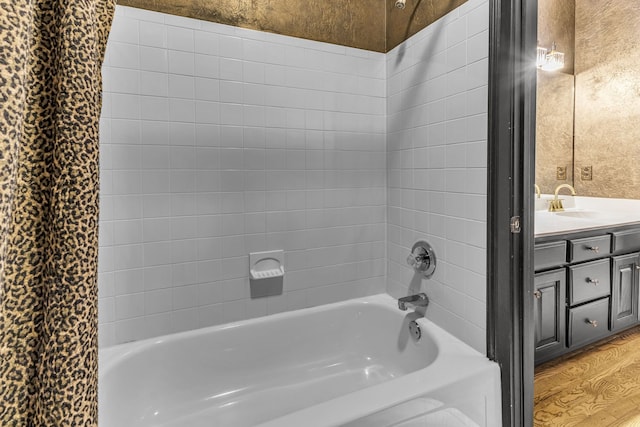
[584, 213]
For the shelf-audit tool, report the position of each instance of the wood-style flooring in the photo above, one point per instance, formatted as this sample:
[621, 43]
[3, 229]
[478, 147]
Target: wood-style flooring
[599, 386]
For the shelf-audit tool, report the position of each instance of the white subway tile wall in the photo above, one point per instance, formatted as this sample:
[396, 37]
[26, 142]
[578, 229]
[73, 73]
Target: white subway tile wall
[436, 164]
[218, 141]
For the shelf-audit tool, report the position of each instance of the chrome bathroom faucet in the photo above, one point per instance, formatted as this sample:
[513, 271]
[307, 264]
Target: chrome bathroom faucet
[417, 300]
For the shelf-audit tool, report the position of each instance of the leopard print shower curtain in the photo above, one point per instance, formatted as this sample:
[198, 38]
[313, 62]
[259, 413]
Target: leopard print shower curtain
[51, 54]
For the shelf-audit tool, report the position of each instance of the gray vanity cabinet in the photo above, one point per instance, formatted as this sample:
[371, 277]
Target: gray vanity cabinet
[587, 286]
[625, 282]
[549, 314]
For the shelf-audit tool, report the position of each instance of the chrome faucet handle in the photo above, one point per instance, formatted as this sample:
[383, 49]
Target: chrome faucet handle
[422, 258]
[416, 261]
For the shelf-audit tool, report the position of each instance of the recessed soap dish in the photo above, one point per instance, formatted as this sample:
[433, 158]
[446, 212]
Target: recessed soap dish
[266, 272]
[265, 265]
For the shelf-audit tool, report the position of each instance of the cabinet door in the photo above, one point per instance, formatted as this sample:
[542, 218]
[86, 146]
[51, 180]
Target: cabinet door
[549, 314]
[624, 291]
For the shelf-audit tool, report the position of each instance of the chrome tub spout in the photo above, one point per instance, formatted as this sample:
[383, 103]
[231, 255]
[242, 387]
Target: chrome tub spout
[417, 300]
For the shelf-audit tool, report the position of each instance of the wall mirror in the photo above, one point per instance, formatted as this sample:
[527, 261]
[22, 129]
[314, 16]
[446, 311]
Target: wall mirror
[588, 112]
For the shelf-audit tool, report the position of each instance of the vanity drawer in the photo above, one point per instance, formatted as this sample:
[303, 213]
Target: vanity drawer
[589, 248]
[626, 241]
[588, 322]
[547, 255]
[589, 281]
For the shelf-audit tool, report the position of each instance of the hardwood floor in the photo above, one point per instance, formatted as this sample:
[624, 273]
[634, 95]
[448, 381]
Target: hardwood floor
[598, 386]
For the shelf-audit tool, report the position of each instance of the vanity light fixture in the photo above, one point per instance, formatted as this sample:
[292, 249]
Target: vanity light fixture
[549, 60]
[541, 57]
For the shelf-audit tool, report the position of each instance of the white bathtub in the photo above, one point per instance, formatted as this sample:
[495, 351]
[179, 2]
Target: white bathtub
[351, 363]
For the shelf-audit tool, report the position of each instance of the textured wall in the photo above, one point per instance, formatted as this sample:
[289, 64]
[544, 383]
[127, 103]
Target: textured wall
[365, 24]
[351, 23]
[554, 129]
[437, 166]
[607, 101]
[417, 14]
[218, 141]
[554, 108]
[607, 124]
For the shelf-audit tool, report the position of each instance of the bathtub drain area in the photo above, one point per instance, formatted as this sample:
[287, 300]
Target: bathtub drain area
[415, 331]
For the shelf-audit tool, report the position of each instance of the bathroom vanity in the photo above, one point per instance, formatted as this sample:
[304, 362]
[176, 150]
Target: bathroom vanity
[587, 273]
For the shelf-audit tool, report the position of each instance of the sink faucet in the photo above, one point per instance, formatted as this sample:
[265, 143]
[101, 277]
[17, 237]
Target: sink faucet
[417, 300]
[537, 188]
[555, 205]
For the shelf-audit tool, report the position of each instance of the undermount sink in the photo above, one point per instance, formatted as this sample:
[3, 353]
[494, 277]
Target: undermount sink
[583, 214]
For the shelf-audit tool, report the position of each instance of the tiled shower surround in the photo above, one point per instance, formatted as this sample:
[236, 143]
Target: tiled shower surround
[437, 166]
[219, 141]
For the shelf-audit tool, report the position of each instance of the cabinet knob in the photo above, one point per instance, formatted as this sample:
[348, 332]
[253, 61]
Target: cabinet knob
[537, 294]
[595, 282]
[595, 249]
[593, 323]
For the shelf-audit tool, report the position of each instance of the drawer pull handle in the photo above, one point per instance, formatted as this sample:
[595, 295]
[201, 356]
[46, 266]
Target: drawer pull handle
[537, 294]
[593, 323]
[595, 282]
[595, 249]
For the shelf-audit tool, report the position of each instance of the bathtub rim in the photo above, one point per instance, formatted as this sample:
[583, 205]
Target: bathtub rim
[111, 355]
[456, 358]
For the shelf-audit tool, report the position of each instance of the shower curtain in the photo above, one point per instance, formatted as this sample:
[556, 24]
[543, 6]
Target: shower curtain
[51, 54]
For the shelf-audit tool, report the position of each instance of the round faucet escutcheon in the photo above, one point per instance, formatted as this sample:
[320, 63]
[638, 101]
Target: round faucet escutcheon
[422, 258]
